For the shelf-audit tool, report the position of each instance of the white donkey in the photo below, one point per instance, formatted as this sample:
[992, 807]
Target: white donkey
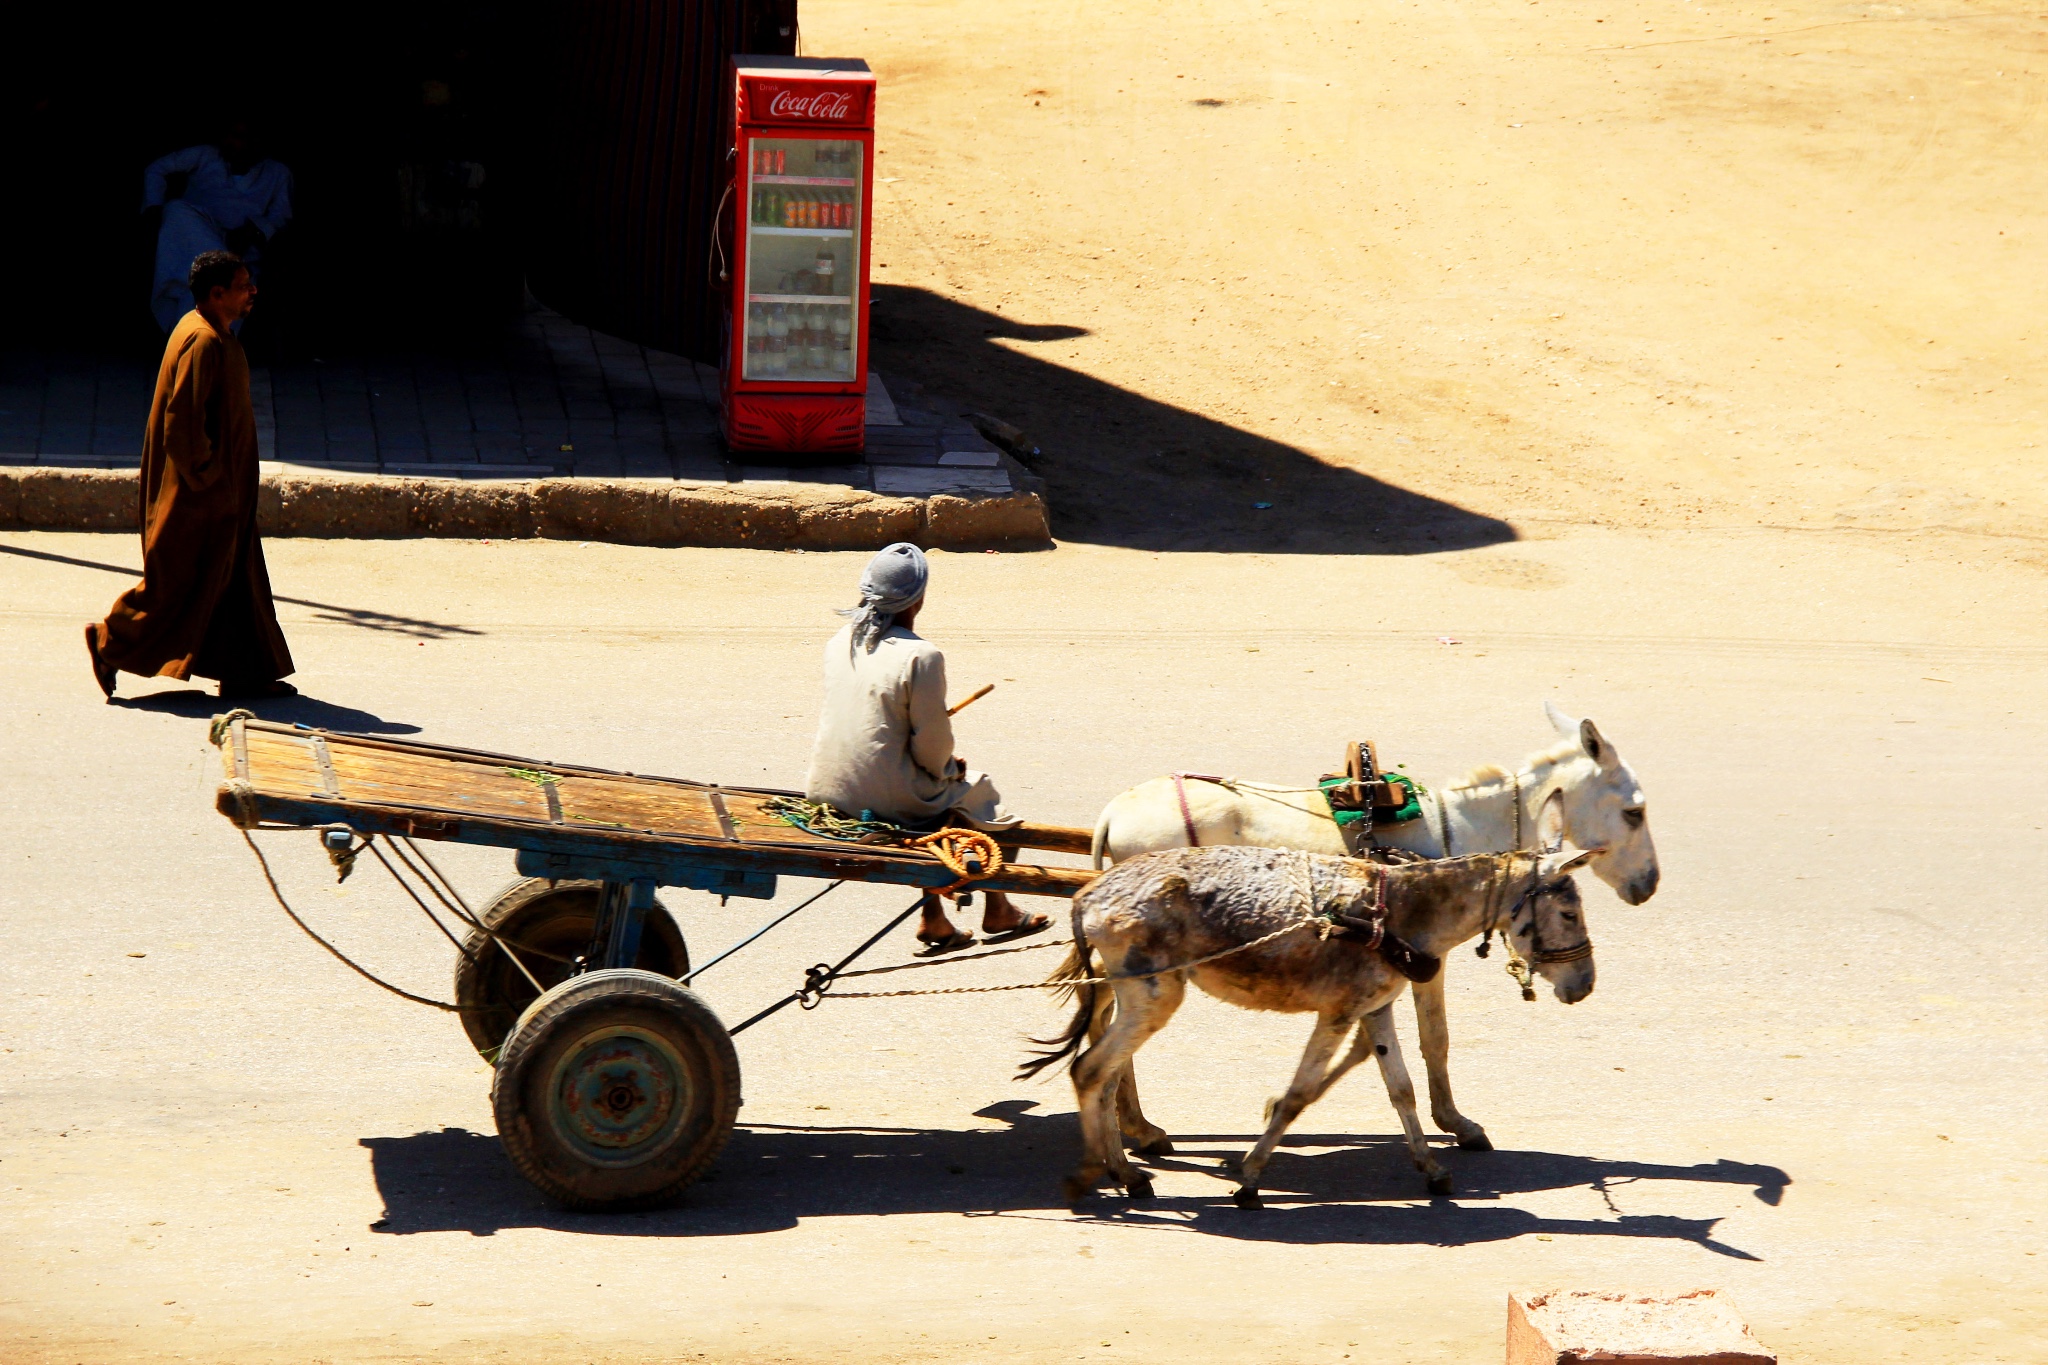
[1489, 810]
[1238, 923]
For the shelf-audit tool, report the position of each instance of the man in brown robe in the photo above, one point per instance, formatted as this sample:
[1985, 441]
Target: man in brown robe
[203, 605]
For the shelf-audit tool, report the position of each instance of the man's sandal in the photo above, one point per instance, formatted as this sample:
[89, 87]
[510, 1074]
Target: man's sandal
[961, 939]
[1035, 924]
[102, 671]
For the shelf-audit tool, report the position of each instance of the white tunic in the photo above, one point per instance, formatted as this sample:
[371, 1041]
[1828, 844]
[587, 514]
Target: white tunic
[216, 202]
[885, 742]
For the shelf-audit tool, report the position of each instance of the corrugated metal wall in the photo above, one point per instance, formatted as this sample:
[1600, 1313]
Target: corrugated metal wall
[629, 158]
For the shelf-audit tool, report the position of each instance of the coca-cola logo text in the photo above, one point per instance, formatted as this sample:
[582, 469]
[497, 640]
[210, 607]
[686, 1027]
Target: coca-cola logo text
[809, 104]
[825, 106]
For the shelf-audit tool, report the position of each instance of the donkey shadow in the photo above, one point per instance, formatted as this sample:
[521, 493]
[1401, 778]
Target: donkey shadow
[1353, 1190]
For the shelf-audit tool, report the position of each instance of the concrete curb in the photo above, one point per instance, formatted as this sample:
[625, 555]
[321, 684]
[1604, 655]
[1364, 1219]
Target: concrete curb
[627, 512]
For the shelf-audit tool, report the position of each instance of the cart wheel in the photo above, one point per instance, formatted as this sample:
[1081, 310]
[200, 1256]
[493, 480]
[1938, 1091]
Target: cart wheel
[552, 922]
[616, 1089]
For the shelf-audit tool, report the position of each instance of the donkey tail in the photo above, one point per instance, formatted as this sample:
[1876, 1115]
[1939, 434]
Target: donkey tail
[1101, 839]
[1073, 972]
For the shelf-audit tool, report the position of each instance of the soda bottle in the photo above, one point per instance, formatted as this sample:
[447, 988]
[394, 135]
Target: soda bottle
[826, 268]
[782, 163]
[788, 211]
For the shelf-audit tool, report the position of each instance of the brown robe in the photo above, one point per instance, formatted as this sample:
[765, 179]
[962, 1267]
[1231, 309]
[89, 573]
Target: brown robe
[203, 606]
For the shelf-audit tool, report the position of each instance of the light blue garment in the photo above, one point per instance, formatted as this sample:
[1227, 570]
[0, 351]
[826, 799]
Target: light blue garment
[216, 202]
[893, 581]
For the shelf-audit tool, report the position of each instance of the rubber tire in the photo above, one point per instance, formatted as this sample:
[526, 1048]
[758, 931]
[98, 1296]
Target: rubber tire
[555, 917]
[561, 1026]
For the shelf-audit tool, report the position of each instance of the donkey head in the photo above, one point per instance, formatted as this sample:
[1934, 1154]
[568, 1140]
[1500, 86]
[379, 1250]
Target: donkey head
[1548, 925]
[1605, 810]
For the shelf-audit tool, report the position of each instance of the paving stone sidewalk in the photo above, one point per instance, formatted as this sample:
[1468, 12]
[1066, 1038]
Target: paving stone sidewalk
[557, 400]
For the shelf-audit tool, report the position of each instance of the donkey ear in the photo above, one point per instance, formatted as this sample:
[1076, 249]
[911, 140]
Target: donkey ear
[1590, 741]
[1559, 721]
[1557, 864]
[1550, 823]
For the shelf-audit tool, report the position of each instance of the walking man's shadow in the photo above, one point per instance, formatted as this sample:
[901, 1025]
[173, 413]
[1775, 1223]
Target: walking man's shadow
[300, 710]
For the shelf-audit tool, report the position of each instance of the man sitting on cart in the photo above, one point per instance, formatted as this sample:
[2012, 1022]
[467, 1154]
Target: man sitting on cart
[885, 743]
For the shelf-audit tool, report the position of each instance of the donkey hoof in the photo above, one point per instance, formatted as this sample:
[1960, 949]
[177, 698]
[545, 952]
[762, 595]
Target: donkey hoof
[1159, 1146]
[1247, 1197]
[1140, 1187]
[1476, 1142]
[1077, 1190]
[1440, 1183]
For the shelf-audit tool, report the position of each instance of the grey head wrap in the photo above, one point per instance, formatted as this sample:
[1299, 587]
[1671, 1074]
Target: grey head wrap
[893, 580]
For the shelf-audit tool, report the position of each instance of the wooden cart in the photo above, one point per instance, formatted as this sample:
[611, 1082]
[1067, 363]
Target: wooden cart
[614, 1084]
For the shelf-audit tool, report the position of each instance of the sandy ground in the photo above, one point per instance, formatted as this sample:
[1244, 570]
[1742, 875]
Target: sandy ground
[1678, 360]
[1716, 263]
[1810, 1074]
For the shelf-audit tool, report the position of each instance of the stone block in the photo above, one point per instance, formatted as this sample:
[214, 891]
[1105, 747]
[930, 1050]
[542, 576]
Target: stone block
[968, 523]
[497, 509]
[336, 506]
[10, 494]
[856, 521]
[604, 509]
[77, 499]
[1604, 1327]
[724, 516]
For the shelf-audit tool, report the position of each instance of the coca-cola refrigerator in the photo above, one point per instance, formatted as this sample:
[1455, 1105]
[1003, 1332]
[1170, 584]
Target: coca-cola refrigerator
[793, 376]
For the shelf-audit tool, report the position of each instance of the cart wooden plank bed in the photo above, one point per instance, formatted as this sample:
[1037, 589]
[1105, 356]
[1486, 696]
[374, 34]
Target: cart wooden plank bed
[614, 1083]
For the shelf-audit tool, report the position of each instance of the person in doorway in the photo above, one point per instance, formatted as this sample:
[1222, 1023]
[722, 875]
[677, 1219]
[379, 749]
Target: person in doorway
[234, 200]
[203, 605]
[885, 743]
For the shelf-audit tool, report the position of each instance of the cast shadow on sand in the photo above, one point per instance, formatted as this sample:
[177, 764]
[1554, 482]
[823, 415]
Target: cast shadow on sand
[1124, 469]
[300, 710]
[1349, 1190]
[364, 617]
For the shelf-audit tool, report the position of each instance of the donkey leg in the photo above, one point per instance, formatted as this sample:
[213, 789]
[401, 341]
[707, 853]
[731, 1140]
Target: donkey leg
[1144, 1135]
[1401, 1091]
[1142, 1009]
[1435, 1031]
[1360, 1049]
[1315, 1062]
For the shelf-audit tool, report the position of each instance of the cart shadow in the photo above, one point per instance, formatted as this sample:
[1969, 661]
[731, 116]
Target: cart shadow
[1124, 469]
[1349, 1189]
[299, 710]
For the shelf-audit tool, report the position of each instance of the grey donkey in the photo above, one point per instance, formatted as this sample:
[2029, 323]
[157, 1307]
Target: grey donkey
[1270, 929]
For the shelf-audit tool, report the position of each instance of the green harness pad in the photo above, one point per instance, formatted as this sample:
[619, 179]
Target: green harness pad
[1410, 810]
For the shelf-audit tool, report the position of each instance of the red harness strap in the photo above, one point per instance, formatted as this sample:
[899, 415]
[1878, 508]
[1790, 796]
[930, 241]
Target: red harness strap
[1187, 817]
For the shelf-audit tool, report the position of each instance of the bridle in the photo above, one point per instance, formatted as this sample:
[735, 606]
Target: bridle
[1518, 967]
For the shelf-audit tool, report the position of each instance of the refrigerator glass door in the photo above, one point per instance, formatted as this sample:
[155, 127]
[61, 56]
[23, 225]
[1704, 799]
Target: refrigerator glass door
[803, 260]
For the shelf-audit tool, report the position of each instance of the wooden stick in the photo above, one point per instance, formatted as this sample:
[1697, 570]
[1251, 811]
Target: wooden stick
[972, 697]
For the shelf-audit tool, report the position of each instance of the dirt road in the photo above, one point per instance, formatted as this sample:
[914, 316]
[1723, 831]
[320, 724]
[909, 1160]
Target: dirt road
[1625, 345]
[1809, 1074]
[1720, 263]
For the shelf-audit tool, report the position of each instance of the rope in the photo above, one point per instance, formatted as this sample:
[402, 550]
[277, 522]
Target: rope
[953, 959]
[958, 849]
[339, 956]
[815, 817]
[218, 730]
[828, 994]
